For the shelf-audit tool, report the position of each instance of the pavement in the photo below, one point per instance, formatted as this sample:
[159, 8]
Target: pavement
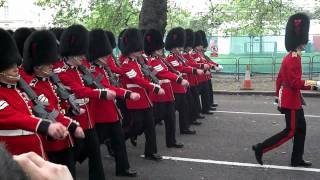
[221, 149]
[261, 84]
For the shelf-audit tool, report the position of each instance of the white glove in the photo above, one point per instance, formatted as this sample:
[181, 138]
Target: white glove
[318, 84]
[43, 99]
[218, 68]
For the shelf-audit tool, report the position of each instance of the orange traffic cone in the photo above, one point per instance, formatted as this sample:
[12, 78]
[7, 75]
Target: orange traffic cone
[247, 83]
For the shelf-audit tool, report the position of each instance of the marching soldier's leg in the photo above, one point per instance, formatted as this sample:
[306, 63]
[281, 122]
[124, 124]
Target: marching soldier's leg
[93, 151]
[150, 150]
[211, 95]
[205, 98]
[182, 107]
[193, 108]
[184, 114]
[119, 146]
[135, 126]
[150, 132]
[64, 157]
[278, 139]
[195, 95]
[103, 133]
[298, 141]
[158, 112]
[121, 104]
[170, 124]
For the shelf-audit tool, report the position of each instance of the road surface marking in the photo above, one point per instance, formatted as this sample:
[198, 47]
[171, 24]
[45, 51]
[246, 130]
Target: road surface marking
[268, 114]
[227, 163]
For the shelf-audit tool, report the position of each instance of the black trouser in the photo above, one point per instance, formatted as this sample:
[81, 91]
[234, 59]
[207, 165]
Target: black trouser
[89, 147]
[64, 157]
[196, 108]
[182, 106]
[211, 96]
[121, 104]
[118, 145]
[295, 127]
[166, 111]
[205, 99]
[143, 122]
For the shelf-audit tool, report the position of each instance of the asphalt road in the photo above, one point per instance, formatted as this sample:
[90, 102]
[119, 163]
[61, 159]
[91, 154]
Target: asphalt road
[222, 147]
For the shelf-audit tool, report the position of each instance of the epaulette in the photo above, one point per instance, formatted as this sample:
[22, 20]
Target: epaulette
[33, 82]
[126, 61]
[60, 69]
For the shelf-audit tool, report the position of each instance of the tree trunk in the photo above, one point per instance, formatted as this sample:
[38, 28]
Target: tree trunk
[153, 15]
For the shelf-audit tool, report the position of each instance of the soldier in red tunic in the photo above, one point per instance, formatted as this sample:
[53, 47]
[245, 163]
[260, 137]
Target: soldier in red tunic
[288, 86]
[175, 42]
[19, 128]
[74, 44]
[213, 64]
[194, 78]
[106, 114]
[163, 105]
[40, 52]
[141, 111]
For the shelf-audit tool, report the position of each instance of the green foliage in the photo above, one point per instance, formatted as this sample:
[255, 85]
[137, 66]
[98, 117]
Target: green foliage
[177, 17]
[254, 17]
[113, 15]
[67, 11]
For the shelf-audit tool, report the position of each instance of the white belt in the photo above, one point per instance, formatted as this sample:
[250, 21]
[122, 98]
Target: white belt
[82, 101]
[162, 81]
[133, 86]
[18, 132]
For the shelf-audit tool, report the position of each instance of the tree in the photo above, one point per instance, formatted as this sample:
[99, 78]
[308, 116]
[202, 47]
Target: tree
[177, 17]
[256, 17]
[113, 15]
[67, 12]
[316, 14]
[153, 15]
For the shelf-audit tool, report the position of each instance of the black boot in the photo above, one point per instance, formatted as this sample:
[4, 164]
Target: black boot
[107, 142]
[301, 163]
[133, 141]
[258, 153]
[128, 173]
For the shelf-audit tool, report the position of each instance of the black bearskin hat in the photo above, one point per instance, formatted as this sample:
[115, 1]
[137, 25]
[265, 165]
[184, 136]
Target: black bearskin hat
[39, 49]
[176, 37]
[197, 39]
[111, 38]
[74, 41]
[189, 38]
[20, 36]
[120, 39]
[10, 32]
[153, 40]
[57, 31]
[9, 54]
[131, 41]
[99, 45]
[204, 38]
[297, 31]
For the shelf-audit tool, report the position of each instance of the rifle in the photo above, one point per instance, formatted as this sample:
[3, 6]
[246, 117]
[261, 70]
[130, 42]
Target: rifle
[112, 77]
[89, 79]
[181, 59]
[39, 107]
[146, 70]
[170, 67]
[65, 94]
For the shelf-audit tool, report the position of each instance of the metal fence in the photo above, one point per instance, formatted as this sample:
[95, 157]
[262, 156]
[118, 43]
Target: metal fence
[267, 65]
